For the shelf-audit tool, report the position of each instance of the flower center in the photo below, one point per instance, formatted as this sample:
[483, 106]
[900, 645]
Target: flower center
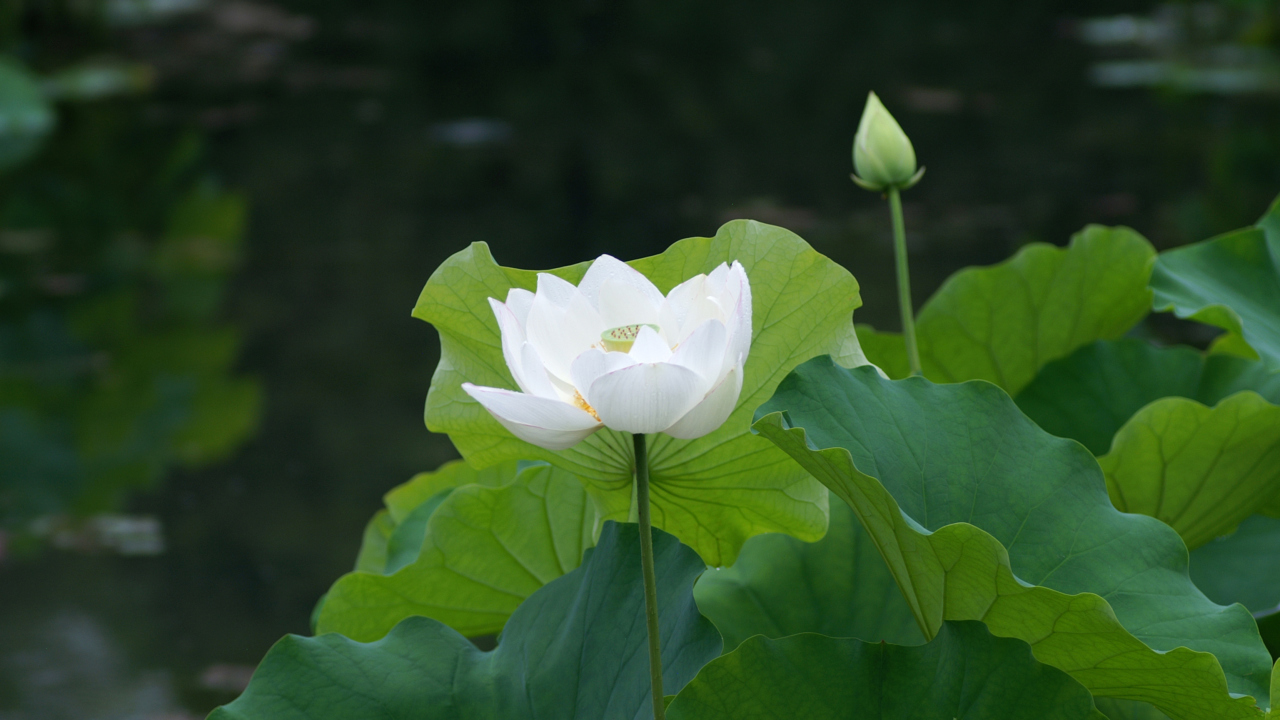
[620, 339]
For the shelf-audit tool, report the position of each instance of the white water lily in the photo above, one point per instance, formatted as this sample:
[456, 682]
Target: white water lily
[613, 352]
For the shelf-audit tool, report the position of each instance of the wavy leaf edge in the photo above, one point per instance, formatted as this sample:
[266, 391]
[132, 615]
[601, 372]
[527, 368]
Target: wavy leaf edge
[775, 423]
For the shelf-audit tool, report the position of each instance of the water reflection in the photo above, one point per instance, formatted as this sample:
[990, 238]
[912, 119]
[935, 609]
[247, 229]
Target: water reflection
[67, 666]
[117, 365]
[1189, 47]
[206, 277]
[114, 366]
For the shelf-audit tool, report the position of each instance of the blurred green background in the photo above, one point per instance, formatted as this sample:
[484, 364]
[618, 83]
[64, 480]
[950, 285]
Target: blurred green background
[215, 216]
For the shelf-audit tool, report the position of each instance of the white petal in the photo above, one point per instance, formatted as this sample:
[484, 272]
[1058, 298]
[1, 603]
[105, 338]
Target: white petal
[717, 289]
[675, 307]
[623, 304]
[649, 347]
[512, 339]
[561, 332]
[703, 352]
[714, 409]
[721, 287]
[727, 283]
[644, 398]
[607, 267]
[550, 424]
[536, 380]
[688, 306]
[738, 283]
[593, 363]
[555, 289]
[520, 300]
[720, 276]
[739, 324]
[703, 309]
[564, 388]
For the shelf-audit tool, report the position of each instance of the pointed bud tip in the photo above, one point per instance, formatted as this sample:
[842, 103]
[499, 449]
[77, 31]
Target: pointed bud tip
[882, 153]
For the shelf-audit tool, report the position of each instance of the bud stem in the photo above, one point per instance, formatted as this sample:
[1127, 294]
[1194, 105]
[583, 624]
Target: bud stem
[650, 580]
[904, 280]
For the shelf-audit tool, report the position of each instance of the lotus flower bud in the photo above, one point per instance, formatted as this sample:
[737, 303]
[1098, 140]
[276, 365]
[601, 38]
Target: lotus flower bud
[882, 153]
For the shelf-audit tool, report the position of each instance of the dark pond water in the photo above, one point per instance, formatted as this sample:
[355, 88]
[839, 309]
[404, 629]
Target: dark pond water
[209, 262]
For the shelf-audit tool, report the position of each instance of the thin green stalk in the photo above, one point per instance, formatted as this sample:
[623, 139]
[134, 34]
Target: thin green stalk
[650, 580]
[904, 280]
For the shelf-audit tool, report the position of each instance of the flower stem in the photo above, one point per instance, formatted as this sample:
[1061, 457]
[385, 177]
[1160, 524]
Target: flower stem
[650, 580]
[904, 280]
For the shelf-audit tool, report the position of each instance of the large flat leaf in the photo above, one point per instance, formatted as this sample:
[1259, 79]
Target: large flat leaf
[1089, 394]
[1200, 470]
[981, 515]
[1243, 567]
[1004, 322]
[713, 492]
[479, 553]
[885, 349]
[1231, 281]
[1275, 690]
[963, 674]
[403, 500]
[575, 649]
[838, 587]
[1116, 709]
[393, 536]
[373, 544]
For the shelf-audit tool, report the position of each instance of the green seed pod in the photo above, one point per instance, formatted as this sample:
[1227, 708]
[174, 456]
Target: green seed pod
[620, 339]
[882, 153]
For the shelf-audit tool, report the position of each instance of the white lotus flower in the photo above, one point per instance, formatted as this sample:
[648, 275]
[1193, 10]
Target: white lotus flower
[613, 352]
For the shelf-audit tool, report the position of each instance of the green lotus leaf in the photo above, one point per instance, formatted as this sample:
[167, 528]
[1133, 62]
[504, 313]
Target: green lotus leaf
[1243, 567]
[577, 648]
[1117, 709]
[981, 515]
[964, 673]
[1200, 470]
[373, 544]
[713, 492]
[1275, 689]
[1229, 343]
[1231, 281]
[479, 554]
[838, 586]
[410, 505]
[886, 350]
[1004, 322]
[402, 500]
[1089, 394]
[404, 542]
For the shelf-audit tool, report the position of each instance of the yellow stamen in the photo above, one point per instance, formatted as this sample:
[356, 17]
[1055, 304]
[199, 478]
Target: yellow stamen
[581, 403]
